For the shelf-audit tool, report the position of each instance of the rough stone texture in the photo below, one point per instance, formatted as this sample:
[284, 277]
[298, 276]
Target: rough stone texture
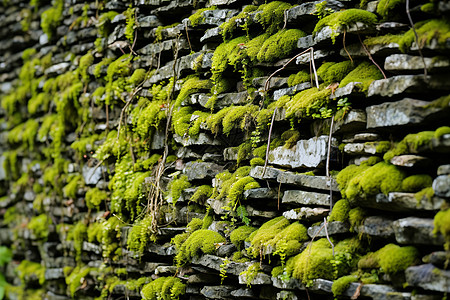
[403, 112]
[202, 170]
[406, 84]
[405, 202]
[332, 229]
[92, 175]
[377, 226]
[261, 193]
[308, 181]
[354, 120]
[441, 186]
[361, 148]
[214, 262]
[410, 161]
[306, 213]
[217, 292]
[428, 277]
[416, 231]
[260, 279]
[305, 198]
[306, 153]
[258, 172]
[444, 170]
[291, 284]
[404, 62]
[202, 139]
[291, 90]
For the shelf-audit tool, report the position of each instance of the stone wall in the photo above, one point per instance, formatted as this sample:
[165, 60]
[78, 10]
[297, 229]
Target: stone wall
[134, 157]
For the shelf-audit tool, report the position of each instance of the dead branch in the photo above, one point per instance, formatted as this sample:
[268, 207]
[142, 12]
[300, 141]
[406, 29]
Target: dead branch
[327, 169]
[370, 56]
[345, 48]
[416, 36]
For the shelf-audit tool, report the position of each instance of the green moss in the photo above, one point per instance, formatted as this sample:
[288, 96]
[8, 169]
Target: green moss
[392, 259]
[290, 137]
[237, 189]
[257, 161]
[356, 217]
[240, 234]
[340, 211]
[94, 198]
[137, 77]
[428, 30]
[383, 39]
[194, 225]
[78, 234]
[225, 54]
[415, 183]
[27, 270]
[387, 9]
[140, 235]
[279, 45]
[199, 242]
[441, 131]
[239, 257]
[410, 144]
[76, 278]
[147, 116]
[244, 150]
[251, 273]
[130, 24]
[39, 226]
[197, 18]
[95, 232]
[364, 73]
[238, 117]
[308, 102]
[231, 25]
[51, 18]
[261, 238]
[340, 285]
[442, 226]
[298, 78]
[334, 72]
[271, 15]
[426, 193]
[164, 288]
[176, 187]
[345, 18]
[202, 194]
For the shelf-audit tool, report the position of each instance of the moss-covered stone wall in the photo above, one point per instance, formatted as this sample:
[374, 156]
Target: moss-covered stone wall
[224, 149]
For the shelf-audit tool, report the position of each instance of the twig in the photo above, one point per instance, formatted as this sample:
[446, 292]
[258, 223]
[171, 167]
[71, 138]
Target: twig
[357, 291]
[187, 35]
[328, 163]
[122, 112]
[268, 142]
[345, 48]
[425, 72]
[279, 194]
[370, 56]
[285, 13]
[326, 233]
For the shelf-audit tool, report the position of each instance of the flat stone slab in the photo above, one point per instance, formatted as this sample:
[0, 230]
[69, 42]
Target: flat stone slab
[260, 279]
[405, 62]
[214, 262]
[402, 202]
[217, 292]
[306, 213]
[269, 173]
[308, 181]
[417, 231]
[277, 94]
[202, 139]
[441, 186]
[201, 170]
[253, 212]
[291, 284]
[428, 277]
[306, 153]
[223, 100]
[377, 291]
[410, 160]
[361, 148]
[354, 120]
[377, 226]
[332, 229]
[261, 193]
[305, 198]
[444, 170]
[403, 112]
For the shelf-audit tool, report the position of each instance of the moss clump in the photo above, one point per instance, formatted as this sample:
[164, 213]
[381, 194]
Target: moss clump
[232, 24]
[51, 18]
[290, 137]
[39, 226]
[240, 234]
[442, 226]
[140, 235]
[340, 211]
[428, 30]
[387, 9]
[356, 217]
[197, 18]
[334, 72]
[392, 259]
[416, 183]
[163, 288]
[78, 234]
[202, 194]
[257, 161]
[191, 85]
[94, 197]
[340, 285]
[307, 103]
[298, 78]
[364, 73]
[345, 18]
[251, 273]
[28, 270]
[410, 144]
[176, 187]
[441, 131]
[383, 39]
[201, 241]
[76, 278]
[279, 45]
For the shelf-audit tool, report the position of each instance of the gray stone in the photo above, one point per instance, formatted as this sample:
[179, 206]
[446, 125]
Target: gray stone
[377, 226]
[353, 121]
[444, 170]
[305, 42]
[275, 82]
[212, 157]
[407, 84]
[286, 295]
[417, 231]
[405, 62]
[321, 285]
[201, 170]
[58, 69]
[212, 35]
[356, 50]
[277, 94]
[90, 247]
[305, 198]
[366, 137]
[202, 139]
[398, 201]
[259, 279]
[148, 21]
[318, 54]
[306, 153]
[226, 250]
[217, 206]
[403, 112]
[290, 284]
[410, 160]
[214, 262]
[165, 270]
[438, 259]
[349, 89]
[218, 16]
[261, 193]
[52, 274]
[92, 175]
[150, 49]
[306, 213]
[223, 100]
[202, 278]
[428, 277]
[217, 292]
[270, 173]
[377, 291]
[441, 186]
[361, 148]
[252, 212]
[333, 228]
[244, 293]
[230, 153]
[308, 181]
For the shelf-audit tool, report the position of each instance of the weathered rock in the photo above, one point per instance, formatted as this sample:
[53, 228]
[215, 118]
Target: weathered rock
[333, 228]
[438, 259]
[286, 295]
[318, 54]
[203, 278]
[353, 121]
[417, 231]
[410, 160]
[361, 148]
[223, 100]
[202, 139]
[406, 84]
[261, 193]
[405, 62]
[291, 284]
[306, 213]
[275, 82]
[277, 94]
[244, 293]
[212, 35]
[428, 277]
[308, 181]
[148, 21]
[202, 170]
[443, 170]
[306, 153]
[403, 112]
[92, 175]
[214, 262]
[217, 292]
[252, 212]
[397, 201]
[165, 270]
[226, 250]
[52, 274]
[305, 198]
[377, 226]
[217, 206]
[259, 279]
[321, 285]
[259, 172]
[441, 186]
[377, 291]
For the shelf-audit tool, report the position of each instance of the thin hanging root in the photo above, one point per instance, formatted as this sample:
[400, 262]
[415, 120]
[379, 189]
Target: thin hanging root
[327, 170]
[325, 223]
[357, 291]
[266, 88]
[187, 35]
[416, 36]
[345, 48]
[370, 56]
